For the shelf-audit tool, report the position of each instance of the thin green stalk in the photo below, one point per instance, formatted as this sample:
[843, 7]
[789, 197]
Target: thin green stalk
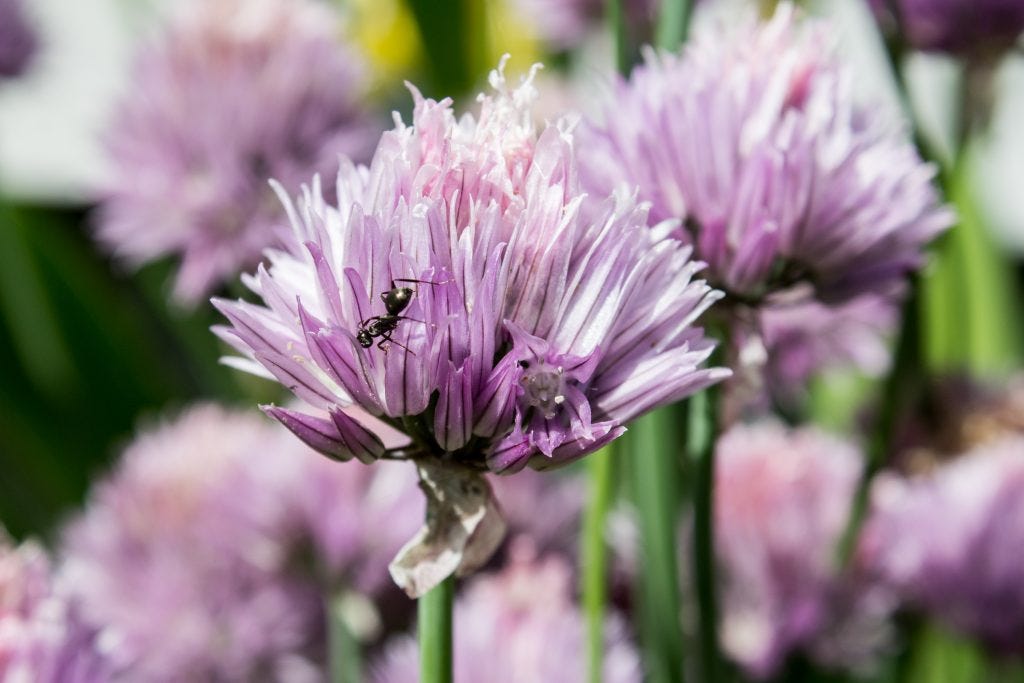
[901, 388]
[654, 442]
[594, 557]
[345, 657]
[620, 38]
[673, 24]
[435, 633]
[701, 433]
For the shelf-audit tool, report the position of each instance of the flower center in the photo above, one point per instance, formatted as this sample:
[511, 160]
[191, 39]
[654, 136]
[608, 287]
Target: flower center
[544, 385]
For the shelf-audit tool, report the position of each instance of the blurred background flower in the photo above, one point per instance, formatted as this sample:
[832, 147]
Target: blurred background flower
[18, 41]
[949, 540]
[518, 625]
[979, 29]
[42, 638]
[752, 137]
[233, 94]
[783, 500]
[210, 550]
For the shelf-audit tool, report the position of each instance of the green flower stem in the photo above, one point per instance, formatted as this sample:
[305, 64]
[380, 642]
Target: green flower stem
[617, 23]
[702, 430]
[345, 658]
[900, 390]
[594, 557]
[673, 24]
[435, 633]
[654, 444]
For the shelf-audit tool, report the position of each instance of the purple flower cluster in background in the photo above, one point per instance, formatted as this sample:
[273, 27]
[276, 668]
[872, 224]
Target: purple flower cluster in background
[208, 553]
[518, 625]
[18, 42]
[539, 330]
[783, 498]
[753, 137]
[975, 28]
[234, 93]
[950, 542]
[42, 638]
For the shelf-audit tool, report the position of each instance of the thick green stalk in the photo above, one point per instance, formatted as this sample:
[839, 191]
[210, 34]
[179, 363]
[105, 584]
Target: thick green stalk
[673, 24]
[970, 292]
[344, 653]
[701, 433]
[654, 442]
[594, 557]
[435, 633]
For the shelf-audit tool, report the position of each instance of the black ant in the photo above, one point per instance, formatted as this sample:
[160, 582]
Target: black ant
[396, 300]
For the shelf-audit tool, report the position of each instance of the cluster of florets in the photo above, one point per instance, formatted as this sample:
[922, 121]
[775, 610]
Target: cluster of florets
[529, 334]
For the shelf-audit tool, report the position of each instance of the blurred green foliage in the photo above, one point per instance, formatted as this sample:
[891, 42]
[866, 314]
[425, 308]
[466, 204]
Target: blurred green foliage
[86, 350]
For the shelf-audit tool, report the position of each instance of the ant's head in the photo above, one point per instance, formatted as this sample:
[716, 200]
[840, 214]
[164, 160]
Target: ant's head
[364, 339]
[397, 299]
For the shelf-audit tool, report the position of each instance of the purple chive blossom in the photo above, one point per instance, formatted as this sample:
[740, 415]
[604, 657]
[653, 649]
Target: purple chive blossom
[964, 27]
[209, 551]
[754, 138]
[534, 333]
[518, 625]
[42, 640]
[234, 93]
[782, 502]
[949, 542]
[18, 41]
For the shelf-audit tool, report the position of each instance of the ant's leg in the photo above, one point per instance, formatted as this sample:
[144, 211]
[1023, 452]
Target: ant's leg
[369, 320]
[385, 338]
[422, 282]
[413, 320]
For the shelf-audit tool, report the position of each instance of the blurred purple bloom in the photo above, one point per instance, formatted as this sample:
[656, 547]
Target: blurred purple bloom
[546, 508]
[234, 93]
[18, 41]
[977, 28]
[950, 542]
[42, 640]
[782, 502]
[802, 339]
[534, 333]
[754, 138]
[519, 625]
[209, 551]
